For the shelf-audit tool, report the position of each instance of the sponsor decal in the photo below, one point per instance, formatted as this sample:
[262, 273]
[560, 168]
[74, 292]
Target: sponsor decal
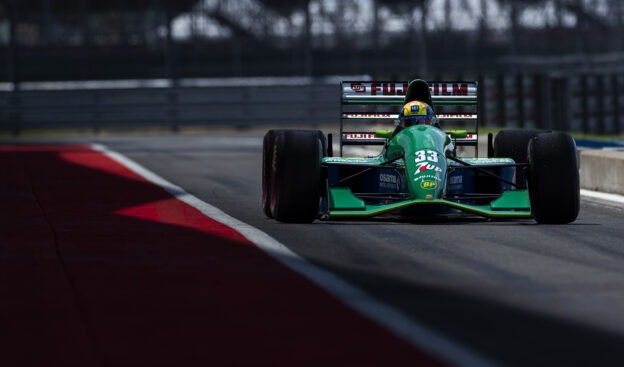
[354, 160]
[429, 185]
[369, 116]
[428, 177]
[489, 160]
[426, 161]
[388, 89]
[426, 155]
[358, 136]
[389, 181]
[274, 161]
[425, 166]
[358, 87]
[350, 159]
[400, 89]
[415, 108]
[456, 116]
[445, 89]
[456, 180]
[384, 177]
[429, 196]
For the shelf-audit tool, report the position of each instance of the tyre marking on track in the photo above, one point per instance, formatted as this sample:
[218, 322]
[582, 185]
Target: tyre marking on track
[390, 318]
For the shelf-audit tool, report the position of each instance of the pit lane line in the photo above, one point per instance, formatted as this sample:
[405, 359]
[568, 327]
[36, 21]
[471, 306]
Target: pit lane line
[384, 315]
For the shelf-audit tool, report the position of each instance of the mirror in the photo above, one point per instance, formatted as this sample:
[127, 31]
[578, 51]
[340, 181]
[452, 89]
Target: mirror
[386, 134]
[458, 134]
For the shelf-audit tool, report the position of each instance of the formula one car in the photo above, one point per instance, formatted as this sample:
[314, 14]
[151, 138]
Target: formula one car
[527, 174]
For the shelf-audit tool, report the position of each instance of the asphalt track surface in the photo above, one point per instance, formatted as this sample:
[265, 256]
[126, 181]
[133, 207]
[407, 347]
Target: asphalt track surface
[512, 292]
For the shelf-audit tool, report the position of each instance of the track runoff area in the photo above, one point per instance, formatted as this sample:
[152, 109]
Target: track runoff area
[105, 263]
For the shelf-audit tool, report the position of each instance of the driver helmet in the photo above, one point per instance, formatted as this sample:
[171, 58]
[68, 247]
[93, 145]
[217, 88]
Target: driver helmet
[417, 113]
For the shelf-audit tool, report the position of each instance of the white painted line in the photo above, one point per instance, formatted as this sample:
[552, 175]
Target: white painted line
[603, 196]
[417, 334]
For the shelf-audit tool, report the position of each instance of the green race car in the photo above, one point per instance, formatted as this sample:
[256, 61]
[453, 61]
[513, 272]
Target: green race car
[527, 174]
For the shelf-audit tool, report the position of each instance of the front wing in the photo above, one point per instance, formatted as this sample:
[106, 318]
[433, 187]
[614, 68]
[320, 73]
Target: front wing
[343, 204]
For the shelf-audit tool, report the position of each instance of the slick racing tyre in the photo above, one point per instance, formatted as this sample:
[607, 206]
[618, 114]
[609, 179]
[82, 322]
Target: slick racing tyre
[513, 144]
[295, 184]
[267, 159]
[553, 179]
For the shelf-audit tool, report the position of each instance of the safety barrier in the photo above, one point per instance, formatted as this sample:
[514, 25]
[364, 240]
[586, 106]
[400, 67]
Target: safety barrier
[78, 107]
[602, 170]
[590, 103]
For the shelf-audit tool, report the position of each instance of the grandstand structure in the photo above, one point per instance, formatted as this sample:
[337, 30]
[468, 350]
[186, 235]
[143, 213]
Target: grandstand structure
[175, 39]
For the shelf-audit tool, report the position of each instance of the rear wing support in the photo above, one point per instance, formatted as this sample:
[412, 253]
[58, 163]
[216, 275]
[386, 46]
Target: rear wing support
[364, 104]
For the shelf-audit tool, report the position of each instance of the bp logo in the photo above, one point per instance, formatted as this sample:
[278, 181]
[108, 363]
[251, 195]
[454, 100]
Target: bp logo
[429, 185]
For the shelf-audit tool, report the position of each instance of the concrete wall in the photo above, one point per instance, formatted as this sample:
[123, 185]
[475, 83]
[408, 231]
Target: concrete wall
[602, 170]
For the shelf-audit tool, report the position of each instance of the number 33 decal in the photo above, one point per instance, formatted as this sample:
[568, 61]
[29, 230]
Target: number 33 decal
[423, 160]
[426, 155]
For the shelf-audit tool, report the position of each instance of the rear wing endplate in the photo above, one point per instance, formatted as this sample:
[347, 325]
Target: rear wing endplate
[360, 102]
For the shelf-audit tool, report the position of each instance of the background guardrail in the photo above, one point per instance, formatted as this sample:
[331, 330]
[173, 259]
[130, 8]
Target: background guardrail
[589, 103]
[170, 106]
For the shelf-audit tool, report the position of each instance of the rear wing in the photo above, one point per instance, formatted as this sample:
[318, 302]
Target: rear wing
[364, 104]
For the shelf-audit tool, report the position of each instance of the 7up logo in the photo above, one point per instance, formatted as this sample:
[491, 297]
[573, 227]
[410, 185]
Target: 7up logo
[425, 161]
[424, 167]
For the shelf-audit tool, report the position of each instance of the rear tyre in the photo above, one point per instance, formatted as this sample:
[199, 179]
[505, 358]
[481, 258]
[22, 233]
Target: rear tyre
[296, 175]
[513, 144]
[554, 188]
[267, 171]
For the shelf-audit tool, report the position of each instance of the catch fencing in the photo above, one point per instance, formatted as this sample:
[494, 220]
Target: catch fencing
[588, 103]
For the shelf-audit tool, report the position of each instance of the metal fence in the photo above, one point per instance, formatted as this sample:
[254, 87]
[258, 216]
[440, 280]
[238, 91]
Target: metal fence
[589, 103]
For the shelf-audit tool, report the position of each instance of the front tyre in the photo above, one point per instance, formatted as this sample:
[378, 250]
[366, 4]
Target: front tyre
[514, 144]
[554, 188]
[296, 175]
